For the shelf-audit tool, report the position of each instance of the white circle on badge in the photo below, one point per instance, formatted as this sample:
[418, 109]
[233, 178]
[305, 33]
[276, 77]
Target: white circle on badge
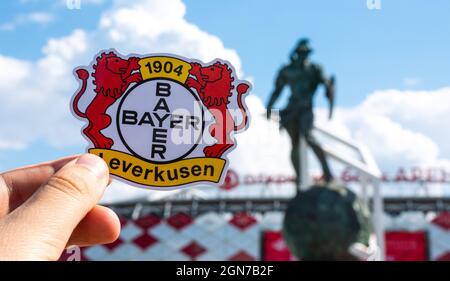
[160, 120]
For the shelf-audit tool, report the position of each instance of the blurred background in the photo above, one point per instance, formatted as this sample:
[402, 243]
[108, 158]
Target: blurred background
[391, 61]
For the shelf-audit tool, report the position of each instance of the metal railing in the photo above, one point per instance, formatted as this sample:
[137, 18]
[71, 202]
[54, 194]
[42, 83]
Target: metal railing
[370, 176]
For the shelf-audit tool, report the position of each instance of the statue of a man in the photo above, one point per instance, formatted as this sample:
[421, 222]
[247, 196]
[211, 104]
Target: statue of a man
[303, 78]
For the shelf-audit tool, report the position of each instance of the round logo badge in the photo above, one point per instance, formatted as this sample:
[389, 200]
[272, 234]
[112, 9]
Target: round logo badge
[148, 117]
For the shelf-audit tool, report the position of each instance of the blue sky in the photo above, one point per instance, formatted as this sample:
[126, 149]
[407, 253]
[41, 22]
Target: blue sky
[366, 49]
[405, 45]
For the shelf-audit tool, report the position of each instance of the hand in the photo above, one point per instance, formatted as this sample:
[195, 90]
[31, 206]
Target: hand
[46, 207]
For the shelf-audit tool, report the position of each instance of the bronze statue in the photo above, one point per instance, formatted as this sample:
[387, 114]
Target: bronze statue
[303, 78]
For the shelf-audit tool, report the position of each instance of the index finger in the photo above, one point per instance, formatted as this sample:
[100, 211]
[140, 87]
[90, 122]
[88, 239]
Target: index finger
[17, 185]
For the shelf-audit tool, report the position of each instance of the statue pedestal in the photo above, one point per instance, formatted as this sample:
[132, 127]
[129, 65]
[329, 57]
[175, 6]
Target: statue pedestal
[323, 222]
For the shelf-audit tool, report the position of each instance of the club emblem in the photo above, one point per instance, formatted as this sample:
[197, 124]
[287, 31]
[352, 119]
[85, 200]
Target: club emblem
[161, 121]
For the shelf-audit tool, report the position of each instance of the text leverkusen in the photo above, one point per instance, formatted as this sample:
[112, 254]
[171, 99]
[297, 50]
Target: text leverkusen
[165, 174]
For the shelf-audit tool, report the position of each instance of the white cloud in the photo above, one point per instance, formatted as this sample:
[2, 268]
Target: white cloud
[40, 18]
[36, 94]
[263, 148]
[16, 71]
[400, 127]
[156, 26]
[397, 126]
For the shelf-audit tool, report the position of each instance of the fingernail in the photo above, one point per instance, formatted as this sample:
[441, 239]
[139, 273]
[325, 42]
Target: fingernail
[94, 163]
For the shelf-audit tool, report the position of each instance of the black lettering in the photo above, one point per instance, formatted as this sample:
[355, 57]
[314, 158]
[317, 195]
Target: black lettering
[205, 171]
[194, 122]
[160, 119]
[176, 119]
[168, 66]
[126, 166]
[147, 171]
[159, 135]
[161, 104]
[114, 163]
[129, 117]
[137, 171]
[184, 172]
[146, 119]
[169, 176]
[158, 174]
[196, 170]
[158, 149]
[178, 70]
[162, 89]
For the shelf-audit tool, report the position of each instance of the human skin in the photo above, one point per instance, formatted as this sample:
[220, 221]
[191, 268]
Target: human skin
[47, 207]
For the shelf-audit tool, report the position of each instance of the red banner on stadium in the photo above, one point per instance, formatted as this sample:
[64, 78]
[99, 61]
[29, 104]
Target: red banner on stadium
[400, 246]
[406, 246]
[274, 247]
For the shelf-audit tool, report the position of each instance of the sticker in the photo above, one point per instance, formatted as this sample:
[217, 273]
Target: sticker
[161, 121]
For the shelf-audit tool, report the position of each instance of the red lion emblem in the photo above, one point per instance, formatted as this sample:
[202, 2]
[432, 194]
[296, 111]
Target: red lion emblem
[113, 75]
[213, 83]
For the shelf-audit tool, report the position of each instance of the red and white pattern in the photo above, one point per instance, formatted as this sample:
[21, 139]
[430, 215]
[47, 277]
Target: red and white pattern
[215, 236]
[181, 237]
[275, 248]
[439, 237]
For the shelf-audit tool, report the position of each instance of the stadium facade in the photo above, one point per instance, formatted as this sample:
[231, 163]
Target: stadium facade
[242, 221]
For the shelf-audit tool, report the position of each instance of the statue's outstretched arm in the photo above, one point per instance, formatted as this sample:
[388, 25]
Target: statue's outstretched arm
[330, 93]
[329, 90]
[279, 85]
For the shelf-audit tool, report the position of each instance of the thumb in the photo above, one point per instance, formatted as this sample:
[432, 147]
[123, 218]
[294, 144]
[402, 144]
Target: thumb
[42, 226]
